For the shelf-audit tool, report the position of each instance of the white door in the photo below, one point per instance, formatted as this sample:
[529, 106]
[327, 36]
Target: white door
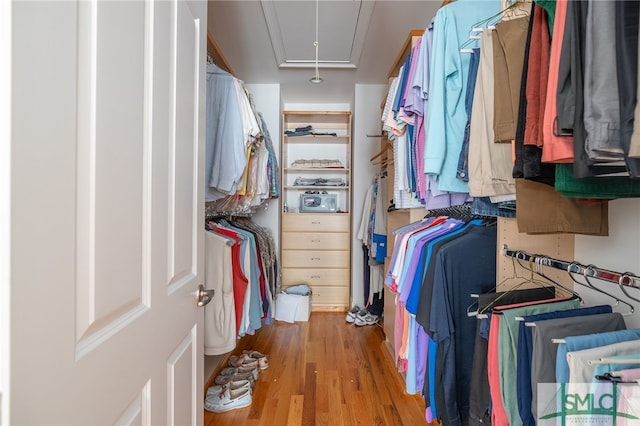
[106, 213]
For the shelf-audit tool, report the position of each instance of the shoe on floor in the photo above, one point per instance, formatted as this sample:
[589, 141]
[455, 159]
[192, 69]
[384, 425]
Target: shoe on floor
[230, 371]
[263, 362]
[227, 400]
[234, 385]
[223, 380]
[242, 361]
[368, 319]
[351, 315]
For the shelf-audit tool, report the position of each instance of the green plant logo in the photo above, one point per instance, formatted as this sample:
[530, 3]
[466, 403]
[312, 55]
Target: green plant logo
[587, 404]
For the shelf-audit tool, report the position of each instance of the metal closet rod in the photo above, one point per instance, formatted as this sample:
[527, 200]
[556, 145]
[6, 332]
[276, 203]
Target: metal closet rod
[621, 278]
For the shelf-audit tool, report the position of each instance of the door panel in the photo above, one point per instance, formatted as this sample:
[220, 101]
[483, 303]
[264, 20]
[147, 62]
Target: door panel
[182, 372]
[107, 158]
[183, 156]
[113, 281]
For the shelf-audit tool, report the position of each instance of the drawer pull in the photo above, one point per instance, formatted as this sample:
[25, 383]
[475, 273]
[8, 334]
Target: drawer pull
[315, 258]
[315, 222]
[315, 277]
[315, 241]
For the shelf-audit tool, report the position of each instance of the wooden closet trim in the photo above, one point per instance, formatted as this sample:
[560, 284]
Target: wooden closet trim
[216, 54]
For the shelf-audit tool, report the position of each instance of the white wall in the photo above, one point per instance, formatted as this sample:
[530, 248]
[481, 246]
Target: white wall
[366, 120]
[5, 204]
[619, 252]
[266, 98]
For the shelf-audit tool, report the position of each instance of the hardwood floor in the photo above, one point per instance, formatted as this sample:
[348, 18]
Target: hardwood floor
[324, 372]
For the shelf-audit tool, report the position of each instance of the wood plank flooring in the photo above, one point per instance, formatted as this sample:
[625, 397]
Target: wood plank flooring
[324, 372]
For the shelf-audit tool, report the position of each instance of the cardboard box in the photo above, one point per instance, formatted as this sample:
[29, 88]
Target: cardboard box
[292, 307]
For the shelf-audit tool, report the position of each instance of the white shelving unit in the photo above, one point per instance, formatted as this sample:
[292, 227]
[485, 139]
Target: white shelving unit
[316, 246]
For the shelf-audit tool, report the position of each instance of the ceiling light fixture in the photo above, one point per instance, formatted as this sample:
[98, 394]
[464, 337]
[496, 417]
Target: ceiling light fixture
[316, 79]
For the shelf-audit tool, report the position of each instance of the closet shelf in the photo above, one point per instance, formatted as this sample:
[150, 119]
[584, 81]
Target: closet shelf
[317, 169]
[325, 188]
[340, 139]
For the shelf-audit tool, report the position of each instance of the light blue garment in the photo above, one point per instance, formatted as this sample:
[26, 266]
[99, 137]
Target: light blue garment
[579, 343]
[225, 155]
[300, 289]
[411, 379]
[446, 117]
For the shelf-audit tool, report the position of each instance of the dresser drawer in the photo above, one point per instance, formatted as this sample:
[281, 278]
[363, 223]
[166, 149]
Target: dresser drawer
[316, 277]
[315, 259]
[330, 296]
[315, 241]
[322, 222]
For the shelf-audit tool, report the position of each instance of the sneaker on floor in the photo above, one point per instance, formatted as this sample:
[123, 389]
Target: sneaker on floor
[351, 315]
[227, 400]
[368, 319]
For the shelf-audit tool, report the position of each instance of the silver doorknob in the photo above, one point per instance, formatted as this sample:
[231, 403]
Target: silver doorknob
[204, 296]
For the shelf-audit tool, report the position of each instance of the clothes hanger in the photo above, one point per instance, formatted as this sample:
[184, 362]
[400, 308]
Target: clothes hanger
[519, 281]
[514, 275]
[622, 280]
[613, 361]
[513, 11]
[542, 261]
[212, 68]
[590, 285]
[510, 11]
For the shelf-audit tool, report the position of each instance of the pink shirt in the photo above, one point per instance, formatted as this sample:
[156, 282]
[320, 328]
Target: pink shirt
[556, 149]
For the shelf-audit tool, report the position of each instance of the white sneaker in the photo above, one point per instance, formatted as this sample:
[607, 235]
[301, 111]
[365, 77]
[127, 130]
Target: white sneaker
[227, 400]
[368, 319]
[351, 315]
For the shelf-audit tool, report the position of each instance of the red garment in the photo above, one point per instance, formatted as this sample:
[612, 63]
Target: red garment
[537, 76]
[498, 414]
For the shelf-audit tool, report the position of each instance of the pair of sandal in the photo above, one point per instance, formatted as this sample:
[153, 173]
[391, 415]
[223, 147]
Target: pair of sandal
[249, 359]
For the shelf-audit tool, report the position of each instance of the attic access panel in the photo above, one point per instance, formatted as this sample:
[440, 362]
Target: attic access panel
[342, 28]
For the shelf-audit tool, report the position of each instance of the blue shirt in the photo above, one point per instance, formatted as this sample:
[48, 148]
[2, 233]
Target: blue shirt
[447, 117]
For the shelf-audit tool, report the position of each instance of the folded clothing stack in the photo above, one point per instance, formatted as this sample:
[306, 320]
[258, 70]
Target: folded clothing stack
[322, 163]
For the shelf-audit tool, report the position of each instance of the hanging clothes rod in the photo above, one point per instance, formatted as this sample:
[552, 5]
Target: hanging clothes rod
[621, 278]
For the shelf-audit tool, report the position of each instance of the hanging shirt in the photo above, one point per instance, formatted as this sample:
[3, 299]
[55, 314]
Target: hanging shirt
[219, 315]
[225, 148]
[447, 117]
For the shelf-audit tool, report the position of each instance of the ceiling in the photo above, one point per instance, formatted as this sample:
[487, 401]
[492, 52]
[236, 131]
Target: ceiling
[272, 42]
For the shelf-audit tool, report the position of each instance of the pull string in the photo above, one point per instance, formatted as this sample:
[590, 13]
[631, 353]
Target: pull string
[316, 43]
